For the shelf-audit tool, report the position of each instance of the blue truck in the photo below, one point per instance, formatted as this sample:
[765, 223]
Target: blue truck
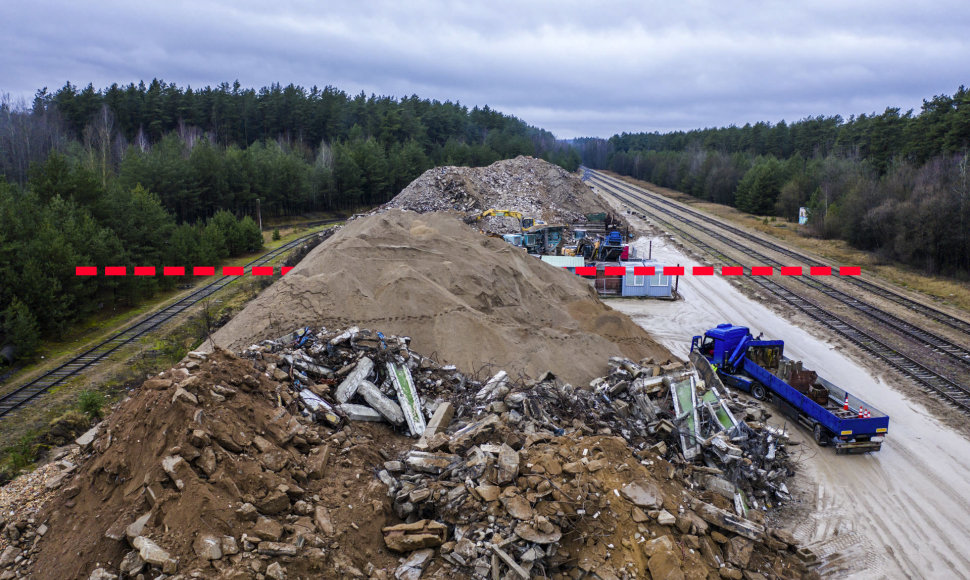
[760, 368]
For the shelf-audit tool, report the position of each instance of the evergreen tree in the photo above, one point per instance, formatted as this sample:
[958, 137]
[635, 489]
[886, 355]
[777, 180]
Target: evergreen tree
[21, 329]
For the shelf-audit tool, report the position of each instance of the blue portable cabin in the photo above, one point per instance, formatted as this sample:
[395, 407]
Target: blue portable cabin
[656, 286]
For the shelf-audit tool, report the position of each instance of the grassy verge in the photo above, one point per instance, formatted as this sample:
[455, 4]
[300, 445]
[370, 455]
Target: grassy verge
[945, 290]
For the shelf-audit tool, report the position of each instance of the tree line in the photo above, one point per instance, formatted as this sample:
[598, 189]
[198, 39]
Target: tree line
[158, 174]
[895, 184]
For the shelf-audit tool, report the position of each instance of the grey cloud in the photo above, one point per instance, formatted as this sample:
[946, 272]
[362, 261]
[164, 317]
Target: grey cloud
[576, 68]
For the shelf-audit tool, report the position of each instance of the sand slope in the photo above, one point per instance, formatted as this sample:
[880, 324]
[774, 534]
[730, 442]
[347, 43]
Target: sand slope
[469, 299]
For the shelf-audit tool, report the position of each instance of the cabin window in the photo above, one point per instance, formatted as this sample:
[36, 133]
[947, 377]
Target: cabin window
[707, 347]
[634, 280]
[660, 281]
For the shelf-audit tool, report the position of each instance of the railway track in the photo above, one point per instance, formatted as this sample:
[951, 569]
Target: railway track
[925, 310]
[27, 392]
[938, 344]
[946, 388]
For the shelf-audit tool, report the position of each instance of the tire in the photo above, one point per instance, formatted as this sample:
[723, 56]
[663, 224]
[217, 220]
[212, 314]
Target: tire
[758, 391]
[820, 435]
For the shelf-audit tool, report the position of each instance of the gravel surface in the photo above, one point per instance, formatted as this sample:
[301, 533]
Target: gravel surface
[898, 513]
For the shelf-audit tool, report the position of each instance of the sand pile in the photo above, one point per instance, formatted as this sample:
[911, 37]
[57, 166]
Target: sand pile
[532, 186]
[463, 298]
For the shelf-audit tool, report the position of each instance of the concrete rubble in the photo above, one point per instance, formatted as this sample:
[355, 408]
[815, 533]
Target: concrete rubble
[497, 477]
[531, 186]
[505, 477]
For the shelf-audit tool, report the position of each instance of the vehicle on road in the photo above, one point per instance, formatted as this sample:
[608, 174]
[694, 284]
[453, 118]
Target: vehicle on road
[759, 367]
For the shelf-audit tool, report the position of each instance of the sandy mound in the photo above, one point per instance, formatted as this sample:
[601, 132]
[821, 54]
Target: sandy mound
[227, 442]
[532, 186]
[464, 298]
[215, 469]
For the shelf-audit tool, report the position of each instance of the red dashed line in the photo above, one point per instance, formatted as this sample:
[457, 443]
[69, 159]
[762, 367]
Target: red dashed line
[581, 270]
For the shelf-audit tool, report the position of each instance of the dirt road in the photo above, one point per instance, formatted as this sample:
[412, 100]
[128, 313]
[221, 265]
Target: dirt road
[903, 512]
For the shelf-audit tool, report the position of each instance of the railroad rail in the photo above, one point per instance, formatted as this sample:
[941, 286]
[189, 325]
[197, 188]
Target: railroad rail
[937, 343]
[925, 310]
[949, 390]
[27, 392]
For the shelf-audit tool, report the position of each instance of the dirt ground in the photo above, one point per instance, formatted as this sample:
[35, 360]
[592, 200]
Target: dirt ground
[899, 513]
[456, 293]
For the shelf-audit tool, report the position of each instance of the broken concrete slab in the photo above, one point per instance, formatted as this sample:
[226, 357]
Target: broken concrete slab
[356, 412]
[413, 566]
[434, 463]
[729, 521]
[348, 387]
[415, 536]
[86, 440]
[643, 494]
[318, 405]
[471, 433]
[407, 395]
[508, 465]
[440, 420]
[530, 533]
[514, 566]
[153, 554]
[380, 403]
[492, 388]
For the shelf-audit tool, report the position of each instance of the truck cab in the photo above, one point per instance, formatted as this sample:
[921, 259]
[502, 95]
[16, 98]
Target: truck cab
[726, 344]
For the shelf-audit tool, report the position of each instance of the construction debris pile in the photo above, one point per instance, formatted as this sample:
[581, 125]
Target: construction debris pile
[345, 454]
[531, 186]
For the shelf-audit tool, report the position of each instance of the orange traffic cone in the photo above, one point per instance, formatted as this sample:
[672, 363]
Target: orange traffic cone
[868, 414]
[862, 412]
[845, 405]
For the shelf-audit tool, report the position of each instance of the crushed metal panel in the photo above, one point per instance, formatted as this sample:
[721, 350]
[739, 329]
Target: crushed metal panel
[407, 395]
[685, 409]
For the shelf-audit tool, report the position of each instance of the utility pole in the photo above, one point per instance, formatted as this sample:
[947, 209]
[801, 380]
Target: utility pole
[259, 216]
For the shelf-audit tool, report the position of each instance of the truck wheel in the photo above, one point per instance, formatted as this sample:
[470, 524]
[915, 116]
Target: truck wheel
[758, 390]
[819, 433]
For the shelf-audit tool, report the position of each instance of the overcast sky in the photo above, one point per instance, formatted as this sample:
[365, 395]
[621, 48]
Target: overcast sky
[574, 68]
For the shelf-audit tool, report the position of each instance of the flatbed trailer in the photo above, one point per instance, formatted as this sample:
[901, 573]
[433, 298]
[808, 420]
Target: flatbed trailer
[834, 416]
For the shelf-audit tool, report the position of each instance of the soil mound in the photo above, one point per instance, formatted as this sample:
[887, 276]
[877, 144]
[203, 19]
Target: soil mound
[218, 466]
[532, 186]
[463, 298]
[231, 468]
